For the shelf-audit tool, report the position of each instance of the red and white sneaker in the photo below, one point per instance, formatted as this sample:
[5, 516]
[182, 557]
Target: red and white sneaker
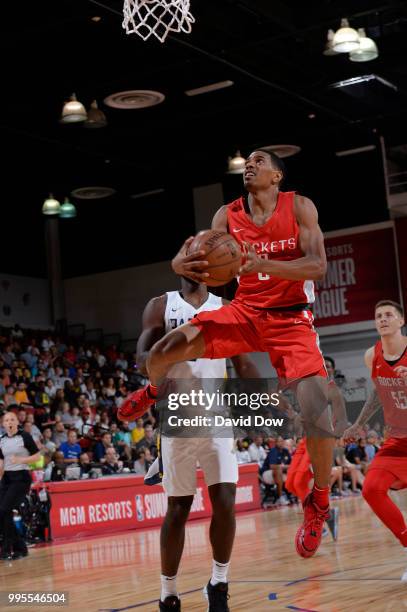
[136, 404]
[308, 536]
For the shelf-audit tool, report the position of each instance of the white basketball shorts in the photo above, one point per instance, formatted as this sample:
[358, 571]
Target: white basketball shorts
[181, 456]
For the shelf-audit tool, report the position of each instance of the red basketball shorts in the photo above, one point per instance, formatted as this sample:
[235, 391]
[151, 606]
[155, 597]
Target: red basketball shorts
[288, 337]
[392, 457]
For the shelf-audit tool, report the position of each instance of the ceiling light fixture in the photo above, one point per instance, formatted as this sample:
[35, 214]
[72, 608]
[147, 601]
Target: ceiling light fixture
[236, 164]
[283, 150]
[329, 50]
[367, 49]
[51, 206]
[208, 88]
[96, 117]
[134, 99]
[67, 210]
[92, 193]
[346, 39]
[73, 111]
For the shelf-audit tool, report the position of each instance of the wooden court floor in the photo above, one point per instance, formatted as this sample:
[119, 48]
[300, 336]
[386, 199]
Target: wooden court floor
[360, 573]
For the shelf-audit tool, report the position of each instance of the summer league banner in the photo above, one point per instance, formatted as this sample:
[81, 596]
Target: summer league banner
[362, 268]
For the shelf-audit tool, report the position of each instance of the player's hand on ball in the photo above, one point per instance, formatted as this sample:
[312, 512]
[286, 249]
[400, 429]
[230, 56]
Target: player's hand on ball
[401, 371]
[192, 266]
[352, 433]
[252, 262]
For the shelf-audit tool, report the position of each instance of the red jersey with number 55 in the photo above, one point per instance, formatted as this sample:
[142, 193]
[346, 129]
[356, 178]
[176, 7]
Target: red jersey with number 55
[392, 391]
[277, 239]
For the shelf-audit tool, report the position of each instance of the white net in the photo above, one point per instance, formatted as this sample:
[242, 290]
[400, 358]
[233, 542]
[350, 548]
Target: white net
[157, 17]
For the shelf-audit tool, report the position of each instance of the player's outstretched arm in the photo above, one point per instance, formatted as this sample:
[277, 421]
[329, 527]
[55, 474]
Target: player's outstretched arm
[372, 405]
[310, 267]
[153, 329]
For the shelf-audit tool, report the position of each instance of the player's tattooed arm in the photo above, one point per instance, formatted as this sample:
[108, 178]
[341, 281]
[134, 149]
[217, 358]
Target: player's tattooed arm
[153, 329]
[372, 405]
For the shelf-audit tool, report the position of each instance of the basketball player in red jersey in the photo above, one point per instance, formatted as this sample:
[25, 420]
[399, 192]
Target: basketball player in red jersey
[270, 313]
[387, 362]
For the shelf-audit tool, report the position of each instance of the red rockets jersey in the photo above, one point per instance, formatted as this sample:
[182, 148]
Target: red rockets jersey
[277, 239]
[392, 391]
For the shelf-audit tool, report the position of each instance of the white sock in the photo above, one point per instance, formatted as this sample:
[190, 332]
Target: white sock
[168, 587]
[219, 572]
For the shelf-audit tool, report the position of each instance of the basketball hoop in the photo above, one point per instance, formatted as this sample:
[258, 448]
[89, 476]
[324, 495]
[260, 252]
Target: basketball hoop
[157, 17]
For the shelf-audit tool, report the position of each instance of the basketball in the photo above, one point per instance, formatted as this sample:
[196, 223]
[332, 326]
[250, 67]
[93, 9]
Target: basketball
[223, 254]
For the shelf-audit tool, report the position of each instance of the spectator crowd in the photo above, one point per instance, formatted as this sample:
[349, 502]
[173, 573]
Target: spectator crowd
[66, 395]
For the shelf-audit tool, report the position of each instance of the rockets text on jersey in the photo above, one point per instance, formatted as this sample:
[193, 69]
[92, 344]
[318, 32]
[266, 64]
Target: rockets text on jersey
[277, 239]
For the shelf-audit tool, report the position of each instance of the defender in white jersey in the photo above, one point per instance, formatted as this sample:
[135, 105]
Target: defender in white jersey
[180, 456]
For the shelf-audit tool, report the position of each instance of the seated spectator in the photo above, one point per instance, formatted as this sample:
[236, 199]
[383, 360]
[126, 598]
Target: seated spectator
[99, 358]
[27, 428]
[8, 356]
[17, 332]
[77, 422]
[143, 461]
[121, 394]
[372, 445]
[256, 451]
[104, 422]
[112, 353]
[59, 467]
[50, 389]
[109, 390]
[58, 378]
[59, 434]
[21, 415]
[90, 392]
[242, 454]
[357, 454]
[66, 416]
[47, 343]
[111, 463]
[49, 447]
[35, 432]
[101, 447]
[70, 356]
[59, 399]
[349, 470]
[71, 449]
[121, 362]
[137, 433]
[84, 463]
[275, 467]
[9, 397]
[20, 395]
[149, 440]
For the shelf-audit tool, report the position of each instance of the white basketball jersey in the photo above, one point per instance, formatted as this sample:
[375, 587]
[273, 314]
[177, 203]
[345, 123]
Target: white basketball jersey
[178, 312]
